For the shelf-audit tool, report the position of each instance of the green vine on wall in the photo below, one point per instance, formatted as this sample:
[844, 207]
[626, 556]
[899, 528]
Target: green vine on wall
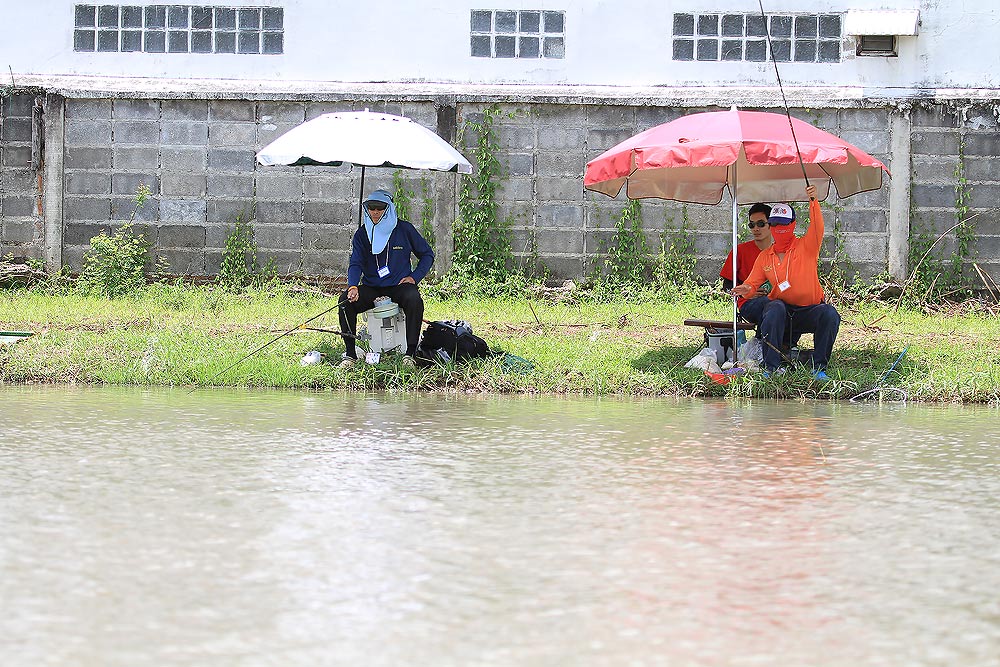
[937, 276]
[240, 268]
[928, 266]
[427, 213]
[965, 233]
[627, 266]
[482, 242]
[842, 270]
[401, 195]
[403, 198]
[676, 262]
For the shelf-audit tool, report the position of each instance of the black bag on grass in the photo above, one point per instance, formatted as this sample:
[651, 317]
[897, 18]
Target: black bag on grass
[451, 340]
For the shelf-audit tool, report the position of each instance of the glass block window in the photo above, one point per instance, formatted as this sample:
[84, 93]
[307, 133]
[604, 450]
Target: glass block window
[179, 29]
[803, 38]
[525, 33]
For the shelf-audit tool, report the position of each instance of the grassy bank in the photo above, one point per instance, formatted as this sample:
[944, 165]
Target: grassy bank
[172, 335]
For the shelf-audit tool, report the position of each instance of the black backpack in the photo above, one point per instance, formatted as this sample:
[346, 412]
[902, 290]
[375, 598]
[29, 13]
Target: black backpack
[451, 340]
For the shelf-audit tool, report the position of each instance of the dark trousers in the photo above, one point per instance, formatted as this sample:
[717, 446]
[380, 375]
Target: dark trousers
[408, 298]
[753, 309]
[775, 318]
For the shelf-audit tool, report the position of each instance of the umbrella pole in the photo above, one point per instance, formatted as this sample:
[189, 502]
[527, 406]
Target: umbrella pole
[361, 194]
[736, 214]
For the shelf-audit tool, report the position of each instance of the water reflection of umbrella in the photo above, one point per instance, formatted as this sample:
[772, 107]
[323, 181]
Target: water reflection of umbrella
[754, 155]
[365, 139]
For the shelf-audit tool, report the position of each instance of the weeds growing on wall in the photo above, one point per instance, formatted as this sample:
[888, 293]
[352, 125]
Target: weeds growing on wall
[936, 275]
[115, 264]
[403, 198]
[482, 260]
[630, 271]
[627, 269]
[965, 233]
[427, 214]
[401, 195]
[841, 273]
[240, 268]
[676, 261]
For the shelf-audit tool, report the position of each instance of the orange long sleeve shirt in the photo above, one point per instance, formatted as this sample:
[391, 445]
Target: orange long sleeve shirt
[799, 268]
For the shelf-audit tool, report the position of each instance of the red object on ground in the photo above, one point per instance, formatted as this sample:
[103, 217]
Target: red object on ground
[718, 378]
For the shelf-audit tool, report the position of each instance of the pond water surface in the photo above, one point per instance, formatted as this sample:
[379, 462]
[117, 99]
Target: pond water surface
[157, 528]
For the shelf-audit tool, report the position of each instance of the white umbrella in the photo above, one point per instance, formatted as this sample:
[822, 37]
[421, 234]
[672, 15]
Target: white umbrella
[366, 139]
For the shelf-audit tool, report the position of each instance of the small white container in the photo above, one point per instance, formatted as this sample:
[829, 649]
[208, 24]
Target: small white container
[311, 358]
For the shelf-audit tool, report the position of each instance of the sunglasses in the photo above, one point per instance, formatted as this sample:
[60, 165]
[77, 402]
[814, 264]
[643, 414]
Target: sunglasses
[376, 205]
[759, 224]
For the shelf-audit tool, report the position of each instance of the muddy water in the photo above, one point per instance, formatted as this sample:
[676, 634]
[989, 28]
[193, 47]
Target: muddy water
[153, 528]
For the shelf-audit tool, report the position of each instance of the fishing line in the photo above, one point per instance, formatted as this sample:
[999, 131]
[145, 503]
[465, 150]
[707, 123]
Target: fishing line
[271, 342]
[784, 100]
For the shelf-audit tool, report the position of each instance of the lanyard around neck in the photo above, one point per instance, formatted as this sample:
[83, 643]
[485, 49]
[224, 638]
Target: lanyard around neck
[787, 263]
[371, 243]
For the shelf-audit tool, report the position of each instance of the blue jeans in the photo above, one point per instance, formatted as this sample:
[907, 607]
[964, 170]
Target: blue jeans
[821, 320]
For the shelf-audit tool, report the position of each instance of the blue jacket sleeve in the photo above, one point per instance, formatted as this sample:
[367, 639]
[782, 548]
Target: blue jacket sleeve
[424, 253]
[354, 268]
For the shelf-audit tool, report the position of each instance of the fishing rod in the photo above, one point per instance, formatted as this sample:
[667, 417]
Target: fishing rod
[798, 153]
[788, 360]
[272, 342]
[321, 330]
[784, 100]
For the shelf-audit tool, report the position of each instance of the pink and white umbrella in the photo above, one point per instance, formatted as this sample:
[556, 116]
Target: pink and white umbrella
[750, 153]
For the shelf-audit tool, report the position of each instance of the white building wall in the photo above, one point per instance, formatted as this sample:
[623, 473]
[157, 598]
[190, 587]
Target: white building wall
[608, 43]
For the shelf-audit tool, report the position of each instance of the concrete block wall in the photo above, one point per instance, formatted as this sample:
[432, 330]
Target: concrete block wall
[21, 226]
[949, 140]
[198, 158]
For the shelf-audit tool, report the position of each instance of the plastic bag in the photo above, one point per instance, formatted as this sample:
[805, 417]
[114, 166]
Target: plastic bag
[705, 361]
[752, 351]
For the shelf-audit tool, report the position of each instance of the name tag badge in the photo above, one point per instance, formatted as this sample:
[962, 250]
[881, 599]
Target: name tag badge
[383, 272]
[784, 285]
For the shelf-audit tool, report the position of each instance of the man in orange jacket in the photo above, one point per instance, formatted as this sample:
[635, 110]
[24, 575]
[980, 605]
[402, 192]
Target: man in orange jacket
[791, 266]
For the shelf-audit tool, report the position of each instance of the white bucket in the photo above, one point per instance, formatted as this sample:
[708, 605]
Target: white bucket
[387, 328]
[720, 341]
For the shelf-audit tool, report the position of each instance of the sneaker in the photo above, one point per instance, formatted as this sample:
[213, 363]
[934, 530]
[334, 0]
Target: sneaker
[781, 370]
[346, 361]
[821, 376]
[408, 362]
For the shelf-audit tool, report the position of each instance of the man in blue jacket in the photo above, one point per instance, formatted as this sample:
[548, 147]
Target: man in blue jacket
[380, 266]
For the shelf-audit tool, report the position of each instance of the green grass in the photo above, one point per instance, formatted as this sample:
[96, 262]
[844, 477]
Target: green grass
[184, 336]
